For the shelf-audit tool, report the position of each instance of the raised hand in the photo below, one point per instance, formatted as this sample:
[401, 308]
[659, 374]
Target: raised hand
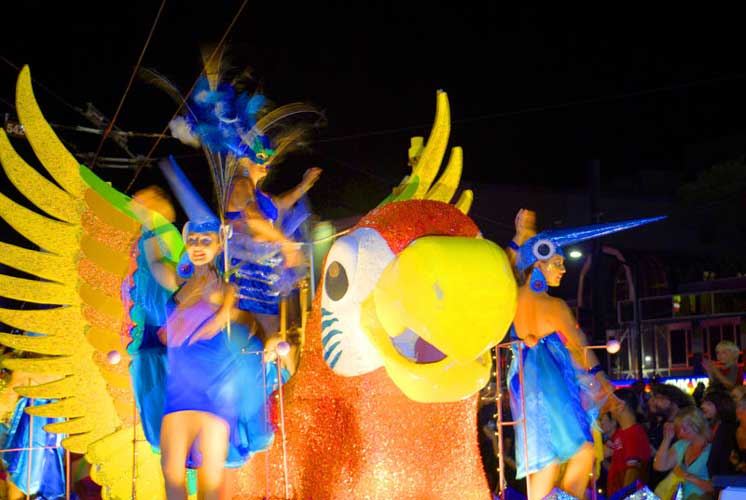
[668, 431]
[154, 198]
[310, 177]
[525, 223]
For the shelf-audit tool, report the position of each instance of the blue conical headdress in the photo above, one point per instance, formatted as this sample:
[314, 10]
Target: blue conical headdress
[547, 244]
[201, 218]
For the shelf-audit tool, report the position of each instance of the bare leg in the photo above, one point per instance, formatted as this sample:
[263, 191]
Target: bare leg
[577, 473]
[543, 481]
[213, 446]
[178, 431]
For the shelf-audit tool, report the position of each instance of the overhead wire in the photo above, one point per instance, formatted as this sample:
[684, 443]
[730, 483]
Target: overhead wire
[214, 52]
[46, 89]
[113, 120]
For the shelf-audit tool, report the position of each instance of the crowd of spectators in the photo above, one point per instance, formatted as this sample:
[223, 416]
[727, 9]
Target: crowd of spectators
[659, 436]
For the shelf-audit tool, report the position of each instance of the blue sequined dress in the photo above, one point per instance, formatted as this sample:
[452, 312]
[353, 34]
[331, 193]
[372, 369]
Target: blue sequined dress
[260, 276]
[46, 462]
[560, 408]
[224, 375]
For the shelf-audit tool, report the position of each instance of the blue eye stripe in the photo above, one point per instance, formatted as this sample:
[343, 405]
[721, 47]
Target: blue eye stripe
[333, 362]
[328, 352]
[325, 312]
[329, 336]
[327, 323]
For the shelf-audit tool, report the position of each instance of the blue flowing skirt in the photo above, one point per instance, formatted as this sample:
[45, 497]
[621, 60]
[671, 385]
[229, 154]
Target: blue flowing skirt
[226, 378]
[559, 412]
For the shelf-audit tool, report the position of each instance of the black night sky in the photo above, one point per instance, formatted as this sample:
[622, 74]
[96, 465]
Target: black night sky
[534, 92]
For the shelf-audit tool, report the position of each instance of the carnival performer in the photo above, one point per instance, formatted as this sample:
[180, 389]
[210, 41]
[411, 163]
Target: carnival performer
[38, 471]
[243, 135]
[267, 234]
[556, 384]
[214, 403]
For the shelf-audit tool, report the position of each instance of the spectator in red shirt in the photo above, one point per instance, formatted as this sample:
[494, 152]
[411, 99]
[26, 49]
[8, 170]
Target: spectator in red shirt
[631, 449]
[729, 374]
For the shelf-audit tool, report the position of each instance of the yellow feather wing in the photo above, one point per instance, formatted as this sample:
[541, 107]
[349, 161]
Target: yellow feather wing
[84, 244]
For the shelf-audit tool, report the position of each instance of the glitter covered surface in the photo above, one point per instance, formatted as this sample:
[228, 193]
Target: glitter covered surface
[100, 279]
[93, 393]
[117, 239]
[402, 222]
[34, 186]
[558, 494]
[46, 145]
[643, 493]
[360, 438]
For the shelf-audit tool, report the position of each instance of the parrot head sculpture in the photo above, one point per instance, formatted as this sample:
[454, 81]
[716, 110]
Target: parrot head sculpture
[414, 288]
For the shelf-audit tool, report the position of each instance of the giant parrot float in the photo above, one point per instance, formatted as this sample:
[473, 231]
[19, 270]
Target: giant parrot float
[398, 341]
[398, 344]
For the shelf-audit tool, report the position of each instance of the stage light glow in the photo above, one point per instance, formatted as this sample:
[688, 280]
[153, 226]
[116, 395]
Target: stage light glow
[613, 346]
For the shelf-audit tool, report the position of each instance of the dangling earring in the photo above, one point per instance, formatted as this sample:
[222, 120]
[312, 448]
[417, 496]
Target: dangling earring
[538, 282]
[185, 269]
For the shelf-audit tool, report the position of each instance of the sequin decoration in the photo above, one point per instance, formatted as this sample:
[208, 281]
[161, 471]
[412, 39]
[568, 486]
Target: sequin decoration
[91, 392]
[643, 493]
[400, 223]
[361, 438]
[558, 494]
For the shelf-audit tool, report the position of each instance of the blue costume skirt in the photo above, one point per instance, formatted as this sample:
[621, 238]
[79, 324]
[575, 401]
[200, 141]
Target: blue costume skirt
[559, 413]
[222, 376]
[47, 471]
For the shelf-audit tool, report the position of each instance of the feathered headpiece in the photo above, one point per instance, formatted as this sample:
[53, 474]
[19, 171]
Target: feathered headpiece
[228, 124]
[224, 122]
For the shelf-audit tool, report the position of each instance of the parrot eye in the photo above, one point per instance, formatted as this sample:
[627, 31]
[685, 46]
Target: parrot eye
[335, 281]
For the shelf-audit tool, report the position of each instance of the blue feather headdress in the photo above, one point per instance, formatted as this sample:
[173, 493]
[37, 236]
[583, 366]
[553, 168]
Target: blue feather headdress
[226, 122]
[229, 124]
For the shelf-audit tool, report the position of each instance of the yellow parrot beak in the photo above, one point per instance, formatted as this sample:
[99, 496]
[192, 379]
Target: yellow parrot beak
[451, 299]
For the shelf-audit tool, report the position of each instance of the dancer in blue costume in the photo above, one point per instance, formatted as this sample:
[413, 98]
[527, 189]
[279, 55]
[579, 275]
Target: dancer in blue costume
[563, 384]
[214, 404]
[39, 472]
[266, 232]
[242, 135]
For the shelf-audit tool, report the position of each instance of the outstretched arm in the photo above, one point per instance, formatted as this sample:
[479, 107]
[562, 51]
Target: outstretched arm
[563, 321]
[290, 198]
[145, 200]
[263, 230]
